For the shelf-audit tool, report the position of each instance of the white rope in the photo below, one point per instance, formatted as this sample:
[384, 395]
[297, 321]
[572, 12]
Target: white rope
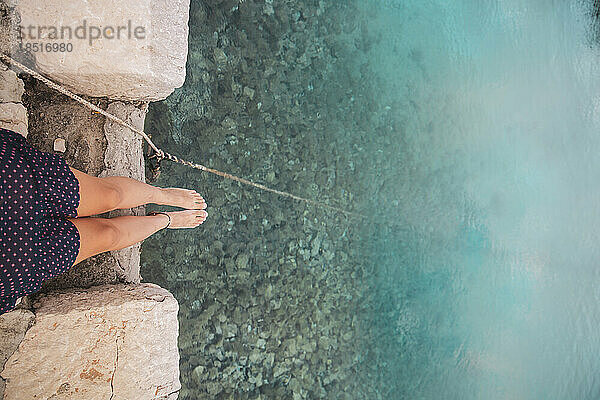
[160, 153]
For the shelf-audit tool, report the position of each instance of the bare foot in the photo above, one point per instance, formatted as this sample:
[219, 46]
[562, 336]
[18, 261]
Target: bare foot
[184, 198]
[186, 218]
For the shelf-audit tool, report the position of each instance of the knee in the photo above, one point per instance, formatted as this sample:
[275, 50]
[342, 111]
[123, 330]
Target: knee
[97, 235]
[109, 235]
[113, 195]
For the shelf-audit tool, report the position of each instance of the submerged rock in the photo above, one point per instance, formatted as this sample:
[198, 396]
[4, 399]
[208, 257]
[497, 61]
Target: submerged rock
[284, 273]
[249, 92]
[242, 261]
[220, 57]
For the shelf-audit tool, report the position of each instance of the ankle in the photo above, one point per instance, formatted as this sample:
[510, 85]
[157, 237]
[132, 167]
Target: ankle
[161, 196]
[164, 217]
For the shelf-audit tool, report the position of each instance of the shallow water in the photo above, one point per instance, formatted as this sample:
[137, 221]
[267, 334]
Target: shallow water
[467, 131]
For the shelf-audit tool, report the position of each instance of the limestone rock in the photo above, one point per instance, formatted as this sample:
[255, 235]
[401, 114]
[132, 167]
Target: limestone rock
[60, 145]
[8, 32]
[13, 116]
[126, 50]
[117, 342]
[124, 157]
[11, 87]
[13, 326]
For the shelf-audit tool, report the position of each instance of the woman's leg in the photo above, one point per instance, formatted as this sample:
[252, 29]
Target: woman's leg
[98, 235]
[99, 195]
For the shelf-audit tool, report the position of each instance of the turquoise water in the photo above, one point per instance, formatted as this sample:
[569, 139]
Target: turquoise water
[466, 132]
[490, 285]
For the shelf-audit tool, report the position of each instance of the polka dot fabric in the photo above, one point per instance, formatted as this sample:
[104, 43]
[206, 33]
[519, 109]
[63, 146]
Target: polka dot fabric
[38, 191]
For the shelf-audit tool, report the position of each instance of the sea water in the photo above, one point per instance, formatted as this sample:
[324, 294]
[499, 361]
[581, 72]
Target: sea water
[489, 285]
[467, 133]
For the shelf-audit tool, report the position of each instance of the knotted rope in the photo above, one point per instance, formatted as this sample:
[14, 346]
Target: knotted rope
[160, 154]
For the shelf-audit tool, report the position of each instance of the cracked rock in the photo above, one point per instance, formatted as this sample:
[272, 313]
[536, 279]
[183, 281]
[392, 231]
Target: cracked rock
[11, 87]
[13, 116]
[13, 326]
[94, 343]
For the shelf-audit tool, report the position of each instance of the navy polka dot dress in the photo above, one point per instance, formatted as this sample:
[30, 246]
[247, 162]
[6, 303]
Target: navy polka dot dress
[37, 192]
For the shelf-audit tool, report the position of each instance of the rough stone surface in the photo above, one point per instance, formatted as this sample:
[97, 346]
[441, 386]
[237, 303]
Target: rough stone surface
[11, 87]
[13, 116]
[8, 22]
[13, 326]
[148, 67]
[53, 116]
[110, 342]
[124, 157]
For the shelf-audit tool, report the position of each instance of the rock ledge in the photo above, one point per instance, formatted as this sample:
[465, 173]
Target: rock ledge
[96, 344]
